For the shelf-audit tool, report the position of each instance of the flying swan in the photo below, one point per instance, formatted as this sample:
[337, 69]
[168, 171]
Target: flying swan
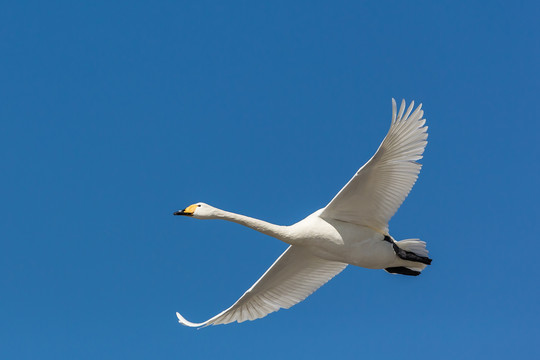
[351, 229]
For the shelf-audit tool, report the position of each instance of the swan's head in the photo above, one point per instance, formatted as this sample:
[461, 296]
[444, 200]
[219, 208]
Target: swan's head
[199, 210]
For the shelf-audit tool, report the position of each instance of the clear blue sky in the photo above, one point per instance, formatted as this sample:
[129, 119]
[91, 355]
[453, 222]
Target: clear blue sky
[114, 115]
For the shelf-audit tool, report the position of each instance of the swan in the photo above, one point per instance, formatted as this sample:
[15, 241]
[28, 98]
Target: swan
[351, 229]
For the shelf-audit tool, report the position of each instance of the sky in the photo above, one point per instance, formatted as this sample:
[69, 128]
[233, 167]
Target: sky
[116, 114]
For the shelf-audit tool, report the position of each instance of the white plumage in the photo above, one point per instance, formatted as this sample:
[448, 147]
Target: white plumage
[351, 229]
[377, 190]
[295, 275]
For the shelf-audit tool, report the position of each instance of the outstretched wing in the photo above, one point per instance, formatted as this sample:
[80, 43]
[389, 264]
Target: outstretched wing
[377, 190]
[295, 275]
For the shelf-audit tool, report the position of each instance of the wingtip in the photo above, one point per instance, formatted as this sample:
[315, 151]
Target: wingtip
[394, 110]
[181, 319]
[401, 110]
[185, 322]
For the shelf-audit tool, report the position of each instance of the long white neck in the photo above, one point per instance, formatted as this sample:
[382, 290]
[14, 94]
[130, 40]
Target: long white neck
[277, 231]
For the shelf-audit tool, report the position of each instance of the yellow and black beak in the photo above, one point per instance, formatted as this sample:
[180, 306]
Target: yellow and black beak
[187, 211]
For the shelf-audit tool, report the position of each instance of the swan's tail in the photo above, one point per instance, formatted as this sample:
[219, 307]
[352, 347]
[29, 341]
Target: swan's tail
[413, 257]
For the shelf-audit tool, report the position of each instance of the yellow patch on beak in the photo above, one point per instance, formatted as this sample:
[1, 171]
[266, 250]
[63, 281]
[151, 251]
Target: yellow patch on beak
[190, 209]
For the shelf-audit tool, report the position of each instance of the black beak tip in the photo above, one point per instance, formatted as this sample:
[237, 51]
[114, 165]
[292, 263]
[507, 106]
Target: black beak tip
[178, 212]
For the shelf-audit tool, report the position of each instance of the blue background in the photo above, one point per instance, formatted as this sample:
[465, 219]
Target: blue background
[114, 115]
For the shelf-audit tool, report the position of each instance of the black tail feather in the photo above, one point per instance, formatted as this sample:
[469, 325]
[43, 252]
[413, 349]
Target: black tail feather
[407, 255]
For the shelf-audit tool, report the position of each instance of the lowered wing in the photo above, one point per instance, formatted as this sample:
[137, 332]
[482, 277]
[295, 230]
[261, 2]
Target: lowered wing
[295, 275]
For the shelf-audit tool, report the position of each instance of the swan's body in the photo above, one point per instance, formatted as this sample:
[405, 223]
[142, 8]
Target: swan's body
[351, 229]
[336, 240]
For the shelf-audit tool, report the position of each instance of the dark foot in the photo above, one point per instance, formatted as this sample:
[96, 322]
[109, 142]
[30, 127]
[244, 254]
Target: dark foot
[402, 270]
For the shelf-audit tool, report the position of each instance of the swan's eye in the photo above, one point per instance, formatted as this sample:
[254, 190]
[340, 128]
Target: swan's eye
[199, 205]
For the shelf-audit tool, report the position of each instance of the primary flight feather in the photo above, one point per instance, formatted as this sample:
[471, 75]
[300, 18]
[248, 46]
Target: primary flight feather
[351, 229]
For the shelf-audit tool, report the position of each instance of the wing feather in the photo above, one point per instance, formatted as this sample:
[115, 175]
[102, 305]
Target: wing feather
[295, 275]
[379, 188]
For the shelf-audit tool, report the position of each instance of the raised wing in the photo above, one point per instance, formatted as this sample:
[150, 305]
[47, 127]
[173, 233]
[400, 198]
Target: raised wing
[377, 190]
[295, 275]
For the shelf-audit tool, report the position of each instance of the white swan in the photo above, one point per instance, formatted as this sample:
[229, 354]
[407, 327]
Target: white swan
[351, 229]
